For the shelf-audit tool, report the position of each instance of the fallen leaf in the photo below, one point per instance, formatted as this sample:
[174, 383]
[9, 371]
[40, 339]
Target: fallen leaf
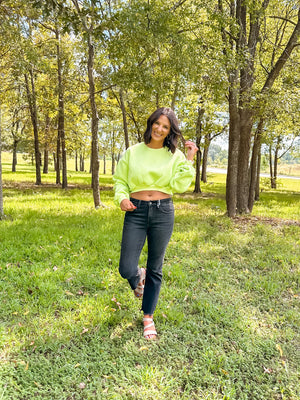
[85, 330]
[143, 348]
[69, 293]
[27, 365]
[77, 365]
[224, 372]
[278, 347]
[116, 301]
[82, 385]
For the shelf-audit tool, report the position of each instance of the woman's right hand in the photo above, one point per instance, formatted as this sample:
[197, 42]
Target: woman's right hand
[127, 205]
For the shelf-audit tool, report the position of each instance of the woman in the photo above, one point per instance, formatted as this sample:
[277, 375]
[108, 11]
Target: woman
[145, 179]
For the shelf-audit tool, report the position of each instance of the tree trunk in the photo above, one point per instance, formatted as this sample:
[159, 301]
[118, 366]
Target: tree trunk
[31, 96]
[81, 162]
[104, 164]
[15, 159]
[54, 160]
[254, 164]
[46, 161]
[125, 127]
[197, 188]
[57, 164]
[205, 157]
[233, 147]
[276, 165]
[257, 186]
[46, 148]
[76, 161]
[175, 93]
[271, 166]
[95, 120]
[113, 153]
[61, 112]
[113, 163]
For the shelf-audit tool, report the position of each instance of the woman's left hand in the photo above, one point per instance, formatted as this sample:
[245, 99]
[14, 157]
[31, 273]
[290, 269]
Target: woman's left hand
[191, 149]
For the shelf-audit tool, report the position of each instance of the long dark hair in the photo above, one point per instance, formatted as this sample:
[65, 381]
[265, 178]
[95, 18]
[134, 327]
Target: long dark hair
[171, 141]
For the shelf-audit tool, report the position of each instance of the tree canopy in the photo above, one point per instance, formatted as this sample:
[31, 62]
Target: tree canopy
[80, 78]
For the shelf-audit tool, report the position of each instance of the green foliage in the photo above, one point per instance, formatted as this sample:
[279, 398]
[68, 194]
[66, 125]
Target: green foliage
[227, 318]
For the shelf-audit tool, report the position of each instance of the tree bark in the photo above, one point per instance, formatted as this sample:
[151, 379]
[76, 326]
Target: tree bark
[15, 158]
[61, 112]
[276, 162]
[254, 167]
[197, 188]
[257, 186]
[233, 147]
[81, 162]
[201, 110]
[205, 157]
[46, 161]
[125, 127]
[104, 164]
[95, 121]
[57, 164]
[46, 145]
[31, 96]
[94, 166]
[271, 166]
[175, 93]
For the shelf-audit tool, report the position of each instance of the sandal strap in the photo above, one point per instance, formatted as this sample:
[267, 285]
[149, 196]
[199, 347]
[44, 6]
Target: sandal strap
[148, 326]
[148, 333]
[147, 319]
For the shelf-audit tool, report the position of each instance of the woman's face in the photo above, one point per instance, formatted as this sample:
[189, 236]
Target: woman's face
[160, 130]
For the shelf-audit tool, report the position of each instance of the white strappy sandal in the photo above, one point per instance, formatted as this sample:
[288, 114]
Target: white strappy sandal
[139, 290]
[148, 332]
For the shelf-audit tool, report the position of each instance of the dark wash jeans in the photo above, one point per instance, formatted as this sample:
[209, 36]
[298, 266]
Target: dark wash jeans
[153, 220]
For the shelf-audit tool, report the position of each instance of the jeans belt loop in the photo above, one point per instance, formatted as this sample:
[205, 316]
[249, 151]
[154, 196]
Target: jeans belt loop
[158, 204]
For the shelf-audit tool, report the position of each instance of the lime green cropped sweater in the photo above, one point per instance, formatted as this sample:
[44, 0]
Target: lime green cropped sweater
[143, 168]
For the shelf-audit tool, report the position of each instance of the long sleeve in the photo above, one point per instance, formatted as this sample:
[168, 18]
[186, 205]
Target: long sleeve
[120, 178]
[183, 175]
[143, 168]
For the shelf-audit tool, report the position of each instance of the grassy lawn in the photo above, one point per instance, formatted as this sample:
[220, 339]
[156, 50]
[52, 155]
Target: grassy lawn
[227, 318]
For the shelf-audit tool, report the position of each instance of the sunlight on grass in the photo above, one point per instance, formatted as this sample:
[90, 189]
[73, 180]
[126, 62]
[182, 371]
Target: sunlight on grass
[227, 318]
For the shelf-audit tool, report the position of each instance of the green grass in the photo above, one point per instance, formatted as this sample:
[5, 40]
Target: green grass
[228, 314]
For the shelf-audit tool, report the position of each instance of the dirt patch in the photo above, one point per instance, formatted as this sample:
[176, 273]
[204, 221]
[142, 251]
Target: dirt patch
[254, 220]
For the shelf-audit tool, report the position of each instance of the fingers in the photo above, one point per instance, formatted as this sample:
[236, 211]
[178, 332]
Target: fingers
[192, 149]
[191, 145]
[127, 205]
